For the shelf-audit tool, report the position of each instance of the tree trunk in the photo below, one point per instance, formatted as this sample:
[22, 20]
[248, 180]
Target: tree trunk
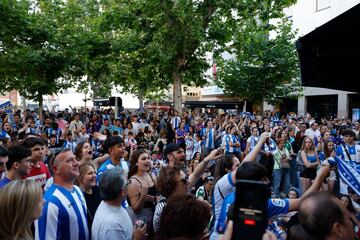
[141, 102]
[41, 103]
[23, 103]
[177, 95]
[94, 89]
[261, 107]
[244, 107]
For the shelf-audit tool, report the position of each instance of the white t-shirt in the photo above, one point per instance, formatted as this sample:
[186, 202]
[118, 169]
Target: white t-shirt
[223, 187]
[111, 222]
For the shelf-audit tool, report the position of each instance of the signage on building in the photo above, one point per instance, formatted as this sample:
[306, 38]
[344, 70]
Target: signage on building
[213, 90]
[355, 114]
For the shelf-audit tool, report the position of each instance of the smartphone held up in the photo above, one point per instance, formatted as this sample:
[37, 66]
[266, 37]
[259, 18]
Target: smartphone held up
[250, 209]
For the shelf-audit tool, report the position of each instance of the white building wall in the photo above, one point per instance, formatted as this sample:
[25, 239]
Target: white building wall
[307, 15]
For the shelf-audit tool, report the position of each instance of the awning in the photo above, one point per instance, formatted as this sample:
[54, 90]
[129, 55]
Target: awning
[214, 104]
[330, 55]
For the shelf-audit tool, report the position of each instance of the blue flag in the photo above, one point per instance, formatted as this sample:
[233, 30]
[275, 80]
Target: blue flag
[349, 172]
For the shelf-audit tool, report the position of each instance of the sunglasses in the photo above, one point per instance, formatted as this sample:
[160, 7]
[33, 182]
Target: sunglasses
[56, 153]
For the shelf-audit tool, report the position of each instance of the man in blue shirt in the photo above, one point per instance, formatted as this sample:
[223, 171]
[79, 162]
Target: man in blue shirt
[349, 151]
[115, 147]
[18, 164]
[257, 172]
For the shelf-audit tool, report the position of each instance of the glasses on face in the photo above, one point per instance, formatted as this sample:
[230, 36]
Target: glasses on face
[52, 159]
[180, 151]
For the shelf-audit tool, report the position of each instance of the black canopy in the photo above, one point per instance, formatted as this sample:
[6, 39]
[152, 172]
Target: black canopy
[214, 104]
[330, 55]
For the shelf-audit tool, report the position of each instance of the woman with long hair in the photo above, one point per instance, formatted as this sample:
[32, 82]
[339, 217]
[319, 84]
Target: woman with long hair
[21, 204]
[7, 131]
[171, 181]
[226, 164]
[311, 161]
[194, 162]
[129, 128]
[252, 141]
[87, 183]
[84, 154]
[142, 192]
[328, 151]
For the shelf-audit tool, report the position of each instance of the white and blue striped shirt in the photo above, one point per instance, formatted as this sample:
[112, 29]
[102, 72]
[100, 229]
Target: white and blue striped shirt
[233, 139]
[175, 122]
[63, 215]
[209, 137]
[108, 164]
[70, 144]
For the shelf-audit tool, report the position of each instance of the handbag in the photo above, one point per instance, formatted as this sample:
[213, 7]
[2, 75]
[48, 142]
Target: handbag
[300, 166]
[284, 162]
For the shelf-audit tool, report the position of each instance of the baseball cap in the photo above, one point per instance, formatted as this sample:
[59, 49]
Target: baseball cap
[171, 147]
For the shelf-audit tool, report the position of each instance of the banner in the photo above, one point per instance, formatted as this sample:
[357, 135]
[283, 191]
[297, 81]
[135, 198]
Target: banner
[355, 114]
[8, 108]
[349, 172]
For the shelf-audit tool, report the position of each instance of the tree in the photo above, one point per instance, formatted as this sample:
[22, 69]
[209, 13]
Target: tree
[30, 58]
[82, 35]
[174, 37]
[264, 68]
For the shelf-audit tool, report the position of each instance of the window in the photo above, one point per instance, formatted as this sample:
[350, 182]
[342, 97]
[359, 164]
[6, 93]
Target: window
[322, 5]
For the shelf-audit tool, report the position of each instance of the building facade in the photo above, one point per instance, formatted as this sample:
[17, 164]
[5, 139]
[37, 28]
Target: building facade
[307, 15]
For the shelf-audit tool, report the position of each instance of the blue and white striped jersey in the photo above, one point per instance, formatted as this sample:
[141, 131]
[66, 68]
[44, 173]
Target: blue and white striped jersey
[233, 139]
[63, 215]
[209, 137]
[108, 164]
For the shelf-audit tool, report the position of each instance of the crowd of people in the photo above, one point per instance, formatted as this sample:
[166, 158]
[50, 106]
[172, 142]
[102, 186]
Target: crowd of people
[88, 174]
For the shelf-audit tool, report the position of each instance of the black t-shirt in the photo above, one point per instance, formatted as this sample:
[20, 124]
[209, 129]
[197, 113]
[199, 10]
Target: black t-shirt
[92, 201]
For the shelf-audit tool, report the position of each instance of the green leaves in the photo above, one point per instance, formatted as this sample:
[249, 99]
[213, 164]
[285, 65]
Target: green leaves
[265, 68]
[141, 45]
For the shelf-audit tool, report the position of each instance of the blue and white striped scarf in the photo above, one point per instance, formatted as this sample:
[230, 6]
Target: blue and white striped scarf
[349, 171]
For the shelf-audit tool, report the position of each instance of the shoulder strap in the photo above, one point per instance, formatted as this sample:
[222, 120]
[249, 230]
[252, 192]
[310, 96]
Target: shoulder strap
[136, 180]
[152, 179]
[347, 152]
[221, 194]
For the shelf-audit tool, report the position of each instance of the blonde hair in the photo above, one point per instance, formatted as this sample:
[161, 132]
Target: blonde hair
[83, 168]
[303, 147]
[19, 200]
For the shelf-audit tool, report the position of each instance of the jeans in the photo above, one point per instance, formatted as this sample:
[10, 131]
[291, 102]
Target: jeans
[294, 174]
[281, 177]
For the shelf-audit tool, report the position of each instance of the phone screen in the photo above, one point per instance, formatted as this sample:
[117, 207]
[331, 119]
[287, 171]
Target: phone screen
[250, 207]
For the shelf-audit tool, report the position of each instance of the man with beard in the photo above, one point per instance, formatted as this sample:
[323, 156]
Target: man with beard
[175, 156]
